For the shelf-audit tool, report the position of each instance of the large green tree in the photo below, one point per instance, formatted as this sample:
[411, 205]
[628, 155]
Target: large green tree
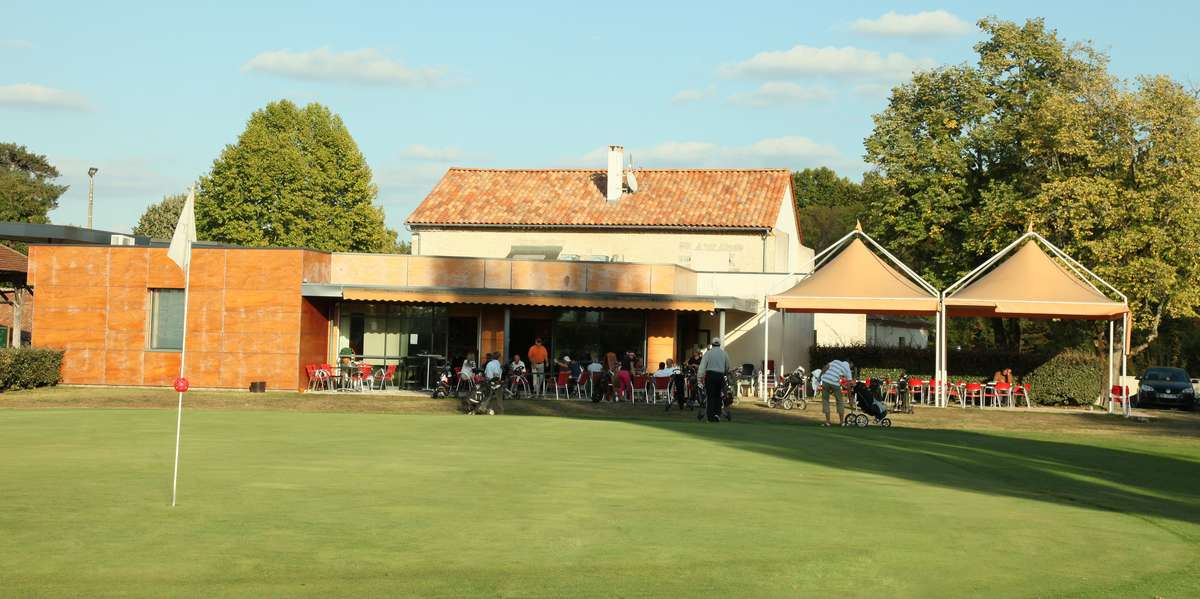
[160, 218]
[828, 205]
[27, 189]
[295, 177]
[1039, 133]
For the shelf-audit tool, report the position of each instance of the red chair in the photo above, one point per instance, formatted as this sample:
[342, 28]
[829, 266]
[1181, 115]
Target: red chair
[974, 390]
[384, 376]
[640, 385]
[1118, 395]
[1022, 391]
[562, 381]
[998, 394]
[661, 385]
[916, 390]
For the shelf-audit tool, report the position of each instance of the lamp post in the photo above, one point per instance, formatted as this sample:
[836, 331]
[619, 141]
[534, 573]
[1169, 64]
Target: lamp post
[91, 192]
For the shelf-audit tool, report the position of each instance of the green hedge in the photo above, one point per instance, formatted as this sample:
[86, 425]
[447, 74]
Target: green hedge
[1072, 377]
[889, 362]
[26, 368]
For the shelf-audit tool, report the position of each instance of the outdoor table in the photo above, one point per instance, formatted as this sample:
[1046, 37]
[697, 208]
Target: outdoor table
[429, 369]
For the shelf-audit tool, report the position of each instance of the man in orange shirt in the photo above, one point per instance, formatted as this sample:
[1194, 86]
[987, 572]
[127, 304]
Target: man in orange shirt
[538, 356]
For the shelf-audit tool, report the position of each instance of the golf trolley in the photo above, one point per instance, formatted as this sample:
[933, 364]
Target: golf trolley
[790, 393]
[867, 406]
[728, 398]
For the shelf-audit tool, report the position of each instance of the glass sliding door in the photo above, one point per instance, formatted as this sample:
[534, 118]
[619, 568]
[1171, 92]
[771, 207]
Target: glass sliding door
[383, 334]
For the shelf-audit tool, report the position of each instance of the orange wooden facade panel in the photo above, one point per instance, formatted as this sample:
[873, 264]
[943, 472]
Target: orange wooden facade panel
[446, 272]
[162, 272]
[127, 267]
[497, 274]
[492, 327]
[83, 367]
[314, 335]
[618, 278]
[316, 267]
[208, 269]
[273, 270]
[548, 276]
[660, 336]
[122, 367]
[94, 302]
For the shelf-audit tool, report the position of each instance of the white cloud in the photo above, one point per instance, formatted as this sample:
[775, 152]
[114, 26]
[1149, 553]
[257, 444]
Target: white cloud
[688, 96]
[829, 61]
[15, 44]
[930, 23]
[423, 152]
[787, 151]
[781, 93]
[29, 95]
[367, 66]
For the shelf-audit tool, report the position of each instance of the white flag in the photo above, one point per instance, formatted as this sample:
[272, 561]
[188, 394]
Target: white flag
[185, 232]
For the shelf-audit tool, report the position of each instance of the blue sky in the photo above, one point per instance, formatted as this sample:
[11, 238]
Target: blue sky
[151, 92]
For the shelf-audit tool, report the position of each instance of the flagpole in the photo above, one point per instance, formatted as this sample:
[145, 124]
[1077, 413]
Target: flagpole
[187, 275]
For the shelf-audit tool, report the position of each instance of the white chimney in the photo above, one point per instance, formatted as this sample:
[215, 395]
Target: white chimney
[616, 172]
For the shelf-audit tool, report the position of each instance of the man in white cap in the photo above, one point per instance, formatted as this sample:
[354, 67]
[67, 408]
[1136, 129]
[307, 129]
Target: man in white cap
[714, 365]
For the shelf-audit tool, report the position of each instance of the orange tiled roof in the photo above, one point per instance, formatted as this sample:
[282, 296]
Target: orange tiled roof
[694, 198]
[12, 261]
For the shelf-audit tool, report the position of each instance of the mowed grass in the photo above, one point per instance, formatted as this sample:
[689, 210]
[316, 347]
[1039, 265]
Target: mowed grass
[412, 500]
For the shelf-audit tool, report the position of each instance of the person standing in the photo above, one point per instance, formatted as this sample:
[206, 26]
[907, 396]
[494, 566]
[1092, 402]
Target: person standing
[492, 371]
[831, 382]
[714, 364]
[625, 377]
[538, 357]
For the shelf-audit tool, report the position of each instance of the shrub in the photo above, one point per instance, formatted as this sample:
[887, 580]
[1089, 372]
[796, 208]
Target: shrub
[1072, 377]
[889, 362]
[26, 368]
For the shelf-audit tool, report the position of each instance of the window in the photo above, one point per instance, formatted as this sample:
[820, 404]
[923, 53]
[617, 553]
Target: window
[166, 319]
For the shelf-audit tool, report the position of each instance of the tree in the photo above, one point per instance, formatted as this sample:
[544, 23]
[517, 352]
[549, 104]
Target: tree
[159, 219]
[1038, 132]
[295, 177]
[27, 189]
[828, 204]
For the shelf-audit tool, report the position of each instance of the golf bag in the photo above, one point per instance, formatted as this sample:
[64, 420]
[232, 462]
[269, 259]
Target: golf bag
[869, 399]
[445, 382]
[602, 386]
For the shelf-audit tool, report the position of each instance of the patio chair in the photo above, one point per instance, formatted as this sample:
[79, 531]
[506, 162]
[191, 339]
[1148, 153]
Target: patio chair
[582, 384]
[974, 390]
[640, 385]
[916, 390]
[1022, 391]
[562, 383]
[660, 385]
[1117, 395]
[366, 377]
[999, 394]
[745, 379]
[385, 376]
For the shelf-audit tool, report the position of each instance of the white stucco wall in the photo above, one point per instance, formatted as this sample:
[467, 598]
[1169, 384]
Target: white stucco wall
[699, 251]
[889, 334]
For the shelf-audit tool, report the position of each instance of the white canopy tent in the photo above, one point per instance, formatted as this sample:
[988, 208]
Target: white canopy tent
[1023, 281]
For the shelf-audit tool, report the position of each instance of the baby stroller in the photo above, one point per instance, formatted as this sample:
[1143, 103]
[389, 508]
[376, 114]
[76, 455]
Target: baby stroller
[869, 399]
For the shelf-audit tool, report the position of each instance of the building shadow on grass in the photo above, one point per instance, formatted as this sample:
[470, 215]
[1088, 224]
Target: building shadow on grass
[1080, 474]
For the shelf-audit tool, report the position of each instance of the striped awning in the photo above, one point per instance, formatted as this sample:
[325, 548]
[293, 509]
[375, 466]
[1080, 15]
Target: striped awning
[545, 299]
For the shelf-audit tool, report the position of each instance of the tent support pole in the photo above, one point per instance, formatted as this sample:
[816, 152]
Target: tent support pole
[1124, 357]
[1111, 325]
[766, 348]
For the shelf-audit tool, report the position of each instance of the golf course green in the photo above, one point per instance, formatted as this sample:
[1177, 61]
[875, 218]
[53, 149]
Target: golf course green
[286, 503]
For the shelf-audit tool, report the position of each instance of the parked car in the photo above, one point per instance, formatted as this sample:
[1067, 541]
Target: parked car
[1167, 388]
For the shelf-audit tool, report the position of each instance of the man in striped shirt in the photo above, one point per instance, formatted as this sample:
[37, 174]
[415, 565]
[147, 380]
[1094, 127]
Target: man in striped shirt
[831, 382]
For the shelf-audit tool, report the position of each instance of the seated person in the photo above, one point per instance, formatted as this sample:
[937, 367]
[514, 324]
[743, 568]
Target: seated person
[1003, 376]
[574, 366]
[665, 369]
[594, 365]
[467, 372]
[516, 365]
[493, 369]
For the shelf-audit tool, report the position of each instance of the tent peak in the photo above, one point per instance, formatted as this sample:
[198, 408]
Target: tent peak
[858, 225]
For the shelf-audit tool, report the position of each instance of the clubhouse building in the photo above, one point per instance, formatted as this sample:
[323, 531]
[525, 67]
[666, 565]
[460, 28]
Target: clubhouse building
[651, 261]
